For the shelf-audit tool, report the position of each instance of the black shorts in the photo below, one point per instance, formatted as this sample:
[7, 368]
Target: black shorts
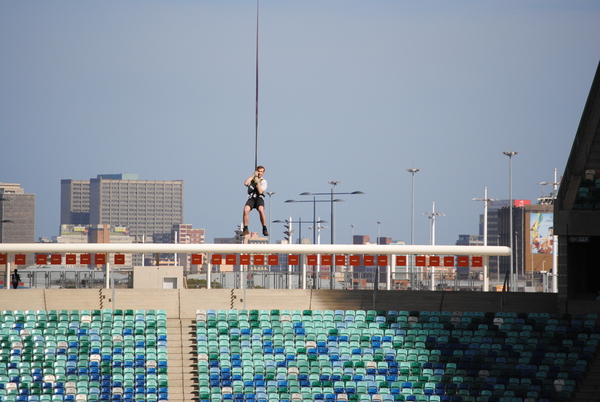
[254, 203]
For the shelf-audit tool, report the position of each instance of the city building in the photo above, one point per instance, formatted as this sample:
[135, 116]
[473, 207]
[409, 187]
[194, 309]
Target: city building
[533, 226]
[145, 207]
[74, 202]
[17, 214]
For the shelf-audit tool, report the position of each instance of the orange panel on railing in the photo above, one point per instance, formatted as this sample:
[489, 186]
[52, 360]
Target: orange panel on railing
[20, 259]
[354, 260]
[259, 259]
[119, 259]
[100, 259]
[3, 259]
[369, 260]
[382, 260]
[434, 261]
[312, 259]
[216, 259]
[420, 261]
[71, 259]
[401, 260]
[244, 259]
[85, 259]
[340, 259]
[41, 259]
[463, 261]
[56, 259]
[448, 261]
[196, 259]
[477, 261]
[230, 259]
[326, 259]
[293, 259]
[273, 259]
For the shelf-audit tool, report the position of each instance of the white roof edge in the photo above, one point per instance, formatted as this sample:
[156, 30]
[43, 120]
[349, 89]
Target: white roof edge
[12, 248]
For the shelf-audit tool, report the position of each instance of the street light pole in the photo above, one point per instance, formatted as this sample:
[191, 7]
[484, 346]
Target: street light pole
[432, 216]
[331, 200]
[513, 278]
[412, 171]
[270, 193]
[485, 200]
[333, 184]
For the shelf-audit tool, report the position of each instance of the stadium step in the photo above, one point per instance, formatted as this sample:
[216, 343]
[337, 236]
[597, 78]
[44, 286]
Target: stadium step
[181, 353]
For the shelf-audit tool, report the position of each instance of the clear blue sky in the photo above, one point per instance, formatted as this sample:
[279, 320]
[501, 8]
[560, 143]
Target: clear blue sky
[355, 91]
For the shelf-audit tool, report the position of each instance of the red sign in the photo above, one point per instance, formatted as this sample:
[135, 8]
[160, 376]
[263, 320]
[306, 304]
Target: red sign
[230, 259]
[196, 259]
[382, 260]
[259, 259]
[312, 259]
[273, 259]
[100, 259]
[340, 259]
[477, 261]
[401, 260]
[56, 259]
[20, 259]
[448, 261]
[293, 259]
[354, 260]
[244, 259]
[70, 259]
[326, 259]
[420, 261]
[85, 259]
[369, 260]
[463, 261]
[216, 259]
[119, 259]
[434, 261]
[41, 259]
[3, 259]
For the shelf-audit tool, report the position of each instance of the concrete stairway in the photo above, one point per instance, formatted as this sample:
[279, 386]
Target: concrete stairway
[588, 389]
[182, 360]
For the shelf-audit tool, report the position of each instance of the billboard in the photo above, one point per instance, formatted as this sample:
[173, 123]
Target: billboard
[541, 233]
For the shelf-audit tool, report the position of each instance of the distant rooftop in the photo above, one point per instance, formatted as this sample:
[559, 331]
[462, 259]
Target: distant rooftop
[119, 176]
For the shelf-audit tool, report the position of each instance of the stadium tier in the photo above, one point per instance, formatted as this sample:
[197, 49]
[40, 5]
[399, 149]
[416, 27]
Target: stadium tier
[86, 355]
[347, 355]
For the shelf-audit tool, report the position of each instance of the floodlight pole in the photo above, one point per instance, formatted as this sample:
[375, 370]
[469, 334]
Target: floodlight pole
[486, 259]
[513, 280]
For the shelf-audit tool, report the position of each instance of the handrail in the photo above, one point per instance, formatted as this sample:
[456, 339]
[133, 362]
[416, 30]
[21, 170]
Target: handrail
[148, 248]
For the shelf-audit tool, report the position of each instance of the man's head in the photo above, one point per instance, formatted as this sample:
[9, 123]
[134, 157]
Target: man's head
[260, 170]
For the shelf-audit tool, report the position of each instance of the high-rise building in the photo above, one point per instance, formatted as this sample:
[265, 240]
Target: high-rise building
[74, 202]
[17, 214]
[145, 207]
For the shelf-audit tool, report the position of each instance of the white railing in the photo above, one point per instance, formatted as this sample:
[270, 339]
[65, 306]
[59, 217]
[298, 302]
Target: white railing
[300, 249]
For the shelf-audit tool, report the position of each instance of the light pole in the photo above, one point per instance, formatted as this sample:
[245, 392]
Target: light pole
[270, 193]
[485, 200]
[352, 233]
[378, 231]
[432, 216]
[513, 278]
[412, 171]
[332, 200]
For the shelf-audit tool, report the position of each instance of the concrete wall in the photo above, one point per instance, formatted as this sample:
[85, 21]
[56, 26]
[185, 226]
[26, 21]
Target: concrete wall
[153, 277]
[183, 303]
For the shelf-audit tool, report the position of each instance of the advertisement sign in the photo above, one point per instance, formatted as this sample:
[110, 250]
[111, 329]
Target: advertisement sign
[541, 232]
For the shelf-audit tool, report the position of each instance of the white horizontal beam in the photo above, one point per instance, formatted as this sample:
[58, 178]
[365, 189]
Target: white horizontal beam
[149, 248]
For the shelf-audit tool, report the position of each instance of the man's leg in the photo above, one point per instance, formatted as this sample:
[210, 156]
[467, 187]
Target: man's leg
[263, 219]
[246, 220]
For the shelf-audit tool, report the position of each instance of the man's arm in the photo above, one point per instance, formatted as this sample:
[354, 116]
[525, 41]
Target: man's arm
[249, 179]
[259, 186]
